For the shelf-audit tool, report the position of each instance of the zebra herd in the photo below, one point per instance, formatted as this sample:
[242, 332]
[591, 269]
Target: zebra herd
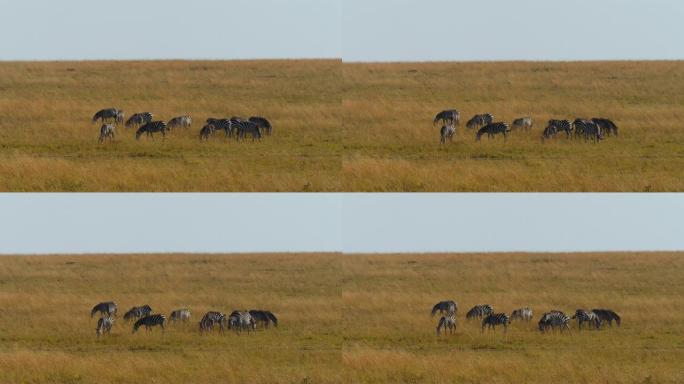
[549, 321]
[238, 321]
[144, 123]
[595, 129]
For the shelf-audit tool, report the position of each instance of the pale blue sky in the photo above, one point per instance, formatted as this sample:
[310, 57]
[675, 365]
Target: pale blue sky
[125, 223]
[358, 30]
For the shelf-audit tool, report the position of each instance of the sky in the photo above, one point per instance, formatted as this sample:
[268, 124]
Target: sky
[352, 223]
[356, 30]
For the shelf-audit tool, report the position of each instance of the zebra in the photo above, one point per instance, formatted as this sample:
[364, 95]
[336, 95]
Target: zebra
[522, 314]
[447, 132]
[447, 322]
[180, 315]
[150, 128]
[448, 117]
[241, 321]
[523, 123]
[554, 319]
[210, 319]
[263, 317]
[448, 306]
[480, 120]
[138, 119]
[106, 132]
[479, 311]
[263, 124]
[493, 129]
[109, 114]
[184, 121]
[206, 132]
[494, 319]
[105, 308]
[607, 315]
[149, 322]
[245, 127]
[561, 126]
[104, 325]
[606, 125]
[222, 125]
[588, 129]
[583, 316]
[138, 312]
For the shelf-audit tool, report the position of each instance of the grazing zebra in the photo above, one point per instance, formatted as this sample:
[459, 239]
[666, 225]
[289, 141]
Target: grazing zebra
[522, 314]
[263, 124]
[180, 315]
[448, 117]
[560, 126]
[607, 315]
[448, 307]
[494, 319]
[493, 129]
[106, 132]
[222, 125]
[554, 319]
[138, 312]
[480, 311]
[180, 121]
[241, 321]
[109, 114]
[588, 129]
[210, 319]
[149, 322]
[105, 308]
[263, 317]
[245, 127]
[447, 322]
[104, 325]
[480, 120]
[447, 132]
[206, 132]
[150, 128]
[138, 119]
[583, 316]
[522, 123]
[606, 125]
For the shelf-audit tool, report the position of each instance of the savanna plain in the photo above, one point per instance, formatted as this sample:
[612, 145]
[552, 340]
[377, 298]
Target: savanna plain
[342, 318]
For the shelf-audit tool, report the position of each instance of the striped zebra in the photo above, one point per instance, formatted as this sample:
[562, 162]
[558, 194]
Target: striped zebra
[583, 316]
[247, 127]
[522, 314]
[184, 121]
[447, 117]
[109, 114]
[105, 308]
[447, 322]
[138, 312]
[104, 325]
[447, 132]
[241, 321]
[263, 123]
[556, 126]
[552, 320]
[448, 307]
[149, 322]
[180, 315]
[494, 319]
[588, 129]
[522, 123]
[222, 125]
[493, 129]
[479, 311]
[106, 132]
[138, 119]
[265, 318]
[151, 128]
[606, 126]
[607, 315]
[210, 319]
[480, 120]
[206, 132]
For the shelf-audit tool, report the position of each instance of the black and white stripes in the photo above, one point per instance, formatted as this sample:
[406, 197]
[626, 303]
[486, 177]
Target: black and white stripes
[150, 321]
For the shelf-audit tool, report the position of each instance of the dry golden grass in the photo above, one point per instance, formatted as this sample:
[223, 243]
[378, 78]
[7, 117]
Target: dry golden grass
[47, 142]
[390, 144]
[343, 318]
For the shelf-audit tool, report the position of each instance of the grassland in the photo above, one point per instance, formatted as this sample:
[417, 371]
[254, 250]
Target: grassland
[360, 318]
[47, 142]
[390, 145]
